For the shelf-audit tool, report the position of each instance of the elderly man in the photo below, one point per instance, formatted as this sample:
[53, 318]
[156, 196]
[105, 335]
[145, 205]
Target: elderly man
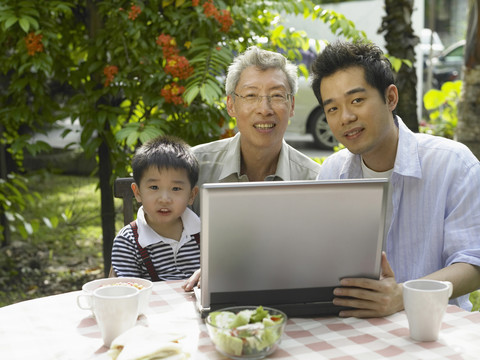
[260, 88]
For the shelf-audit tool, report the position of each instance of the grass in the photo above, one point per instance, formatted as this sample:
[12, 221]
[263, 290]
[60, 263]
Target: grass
[53, 261]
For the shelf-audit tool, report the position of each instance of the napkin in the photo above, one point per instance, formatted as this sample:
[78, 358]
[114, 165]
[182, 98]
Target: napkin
[142, 343]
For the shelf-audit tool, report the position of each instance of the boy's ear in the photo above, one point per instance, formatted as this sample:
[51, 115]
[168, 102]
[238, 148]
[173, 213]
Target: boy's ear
[193, 195]
[136, 192]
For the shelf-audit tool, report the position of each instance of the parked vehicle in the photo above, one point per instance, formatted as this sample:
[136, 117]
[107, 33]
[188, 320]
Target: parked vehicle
[309, 117]
[448, 65]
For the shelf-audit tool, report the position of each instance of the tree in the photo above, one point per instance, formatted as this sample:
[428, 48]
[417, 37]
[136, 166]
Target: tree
[400, 43]
[131, 70]
[468, 128]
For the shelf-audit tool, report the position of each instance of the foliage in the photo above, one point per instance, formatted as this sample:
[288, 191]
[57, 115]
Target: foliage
[475, 300]
[15, 199]
[132, 70]
[442, 107]
[52, 261]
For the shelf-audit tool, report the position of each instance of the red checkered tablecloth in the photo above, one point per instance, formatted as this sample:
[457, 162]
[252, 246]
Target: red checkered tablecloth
[55, 328]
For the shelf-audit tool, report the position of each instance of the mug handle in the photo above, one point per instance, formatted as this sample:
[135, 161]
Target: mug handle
[88, 299]
[450, 287]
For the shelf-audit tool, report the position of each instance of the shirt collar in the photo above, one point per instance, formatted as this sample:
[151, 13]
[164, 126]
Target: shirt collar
[233, 167]
[147, 236]
[407, 161]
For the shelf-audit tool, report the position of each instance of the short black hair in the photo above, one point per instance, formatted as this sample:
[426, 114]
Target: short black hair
[341, 55]
[165, 152]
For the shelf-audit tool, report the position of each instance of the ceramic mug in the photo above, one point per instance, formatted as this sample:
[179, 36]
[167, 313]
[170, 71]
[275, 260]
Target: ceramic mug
[115, 308]
[425, 302]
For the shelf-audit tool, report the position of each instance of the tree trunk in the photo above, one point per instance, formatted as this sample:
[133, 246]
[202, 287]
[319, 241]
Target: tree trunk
[107, 204]
[468, 128]
[400, 42]
[94, 23]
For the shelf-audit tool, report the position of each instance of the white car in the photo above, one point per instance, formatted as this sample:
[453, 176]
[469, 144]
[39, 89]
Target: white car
[309, 117]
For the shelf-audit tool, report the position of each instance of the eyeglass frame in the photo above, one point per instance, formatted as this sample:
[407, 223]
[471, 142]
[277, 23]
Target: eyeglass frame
[259, 98]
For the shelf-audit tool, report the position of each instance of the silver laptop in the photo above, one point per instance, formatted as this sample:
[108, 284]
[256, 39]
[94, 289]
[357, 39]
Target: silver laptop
[287, 244]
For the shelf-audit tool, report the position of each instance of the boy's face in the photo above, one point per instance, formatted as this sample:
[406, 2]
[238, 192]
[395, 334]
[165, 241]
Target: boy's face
[164, 194]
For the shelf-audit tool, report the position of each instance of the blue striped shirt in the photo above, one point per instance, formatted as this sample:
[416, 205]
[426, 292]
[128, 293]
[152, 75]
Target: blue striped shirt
[436, 204]
[172, 260]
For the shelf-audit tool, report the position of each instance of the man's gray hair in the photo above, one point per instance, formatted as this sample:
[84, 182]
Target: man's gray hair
[263, 60]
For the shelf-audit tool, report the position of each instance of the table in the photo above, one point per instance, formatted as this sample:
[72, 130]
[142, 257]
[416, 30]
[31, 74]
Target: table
[54, 327]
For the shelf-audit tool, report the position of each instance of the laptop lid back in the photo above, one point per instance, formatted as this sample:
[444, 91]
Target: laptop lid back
[288, 244]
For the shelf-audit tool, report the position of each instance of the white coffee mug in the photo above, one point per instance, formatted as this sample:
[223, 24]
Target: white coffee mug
[425, 302]
[115, 308]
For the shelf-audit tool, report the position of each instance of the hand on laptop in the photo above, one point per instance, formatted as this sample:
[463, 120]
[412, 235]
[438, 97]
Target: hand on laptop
[192, 281]
[368, 297]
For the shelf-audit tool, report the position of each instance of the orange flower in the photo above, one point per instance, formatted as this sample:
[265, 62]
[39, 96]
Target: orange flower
[173, 93]
[134, 12]
[33, 43]
[225, 19]
[109, 71]
[209, 9]
[178, 67]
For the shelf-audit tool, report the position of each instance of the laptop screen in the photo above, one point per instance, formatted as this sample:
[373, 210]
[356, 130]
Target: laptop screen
[287, 244]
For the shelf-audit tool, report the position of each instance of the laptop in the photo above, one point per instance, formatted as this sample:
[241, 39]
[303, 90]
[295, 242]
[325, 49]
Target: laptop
[287, 244]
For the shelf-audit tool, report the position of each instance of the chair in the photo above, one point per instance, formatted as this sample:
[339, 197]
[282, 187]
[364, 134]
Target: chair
[122, 189]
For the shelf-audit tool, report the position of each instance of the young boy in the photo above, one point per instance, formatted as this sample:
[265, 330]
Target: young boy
[162, 244]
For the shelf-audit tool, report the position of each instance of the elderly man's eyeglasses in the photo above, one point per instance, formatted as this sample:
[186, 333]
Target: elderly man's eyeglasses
[274, 99]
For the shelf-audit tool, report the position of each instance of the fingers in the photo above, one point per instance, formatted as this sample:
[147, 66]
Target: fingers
[192, 281]
[386, 268]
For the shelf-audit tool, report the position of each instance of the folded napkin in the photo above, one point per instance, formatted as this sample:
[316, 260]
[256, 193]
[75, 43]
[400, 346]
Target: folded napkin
[142, 343]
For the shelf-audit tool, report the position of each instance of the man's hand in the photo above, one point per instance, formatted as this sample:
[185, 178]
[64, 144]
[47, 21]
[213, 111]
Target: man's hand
[370, 298]
[192, 281]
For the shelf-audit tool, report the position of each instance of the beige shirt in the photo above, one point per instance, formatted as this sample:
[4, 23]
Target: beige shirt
[219, 161]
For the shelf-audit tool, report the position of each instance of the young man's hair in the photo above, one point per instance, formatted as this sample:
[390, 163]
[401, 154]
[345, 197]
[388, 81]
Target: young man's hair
[341, 55]
[165, 152]
[263, 60]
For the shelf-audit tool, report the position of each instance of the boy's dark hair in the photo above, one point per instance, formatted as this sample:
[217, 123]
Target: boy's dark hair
[165, 152]
[341, 55]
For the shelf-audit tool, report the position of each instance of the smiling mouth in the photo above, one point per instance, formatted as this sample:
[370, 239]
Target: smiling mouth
[264, 126]
[163, 211]
[352, 133]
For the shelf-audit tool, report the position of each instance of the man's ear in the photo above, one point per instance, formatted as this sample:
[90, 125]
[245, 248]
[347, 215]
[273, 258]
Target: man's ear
[193, 195]
[230, 106]
[391, 96]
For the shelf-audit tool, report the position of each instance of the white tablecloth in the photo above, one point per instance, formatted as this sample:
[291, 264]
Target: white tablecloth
[55, 328]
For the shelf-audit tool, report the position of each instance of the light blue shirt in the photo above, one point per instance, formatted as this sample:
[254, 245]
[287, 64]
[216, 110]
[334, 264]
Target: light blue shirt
[436, 204]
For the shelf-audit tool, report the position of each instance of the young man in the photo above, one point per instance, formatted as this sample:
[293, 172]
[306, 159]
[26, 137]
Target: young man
[433, 213]
[260, 89]
[162, 244]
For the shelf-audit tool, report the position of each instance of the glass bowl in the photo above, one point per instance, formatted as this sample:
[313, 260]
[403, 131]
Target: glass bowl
[236, 336]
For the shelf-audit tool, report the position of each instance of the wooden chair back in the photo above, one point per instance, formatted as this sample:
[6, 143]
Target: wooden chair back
[122, 188]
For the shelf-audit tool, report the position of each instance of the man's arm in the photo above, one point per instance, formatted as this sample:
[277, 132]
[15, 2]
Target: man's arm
[377, 298]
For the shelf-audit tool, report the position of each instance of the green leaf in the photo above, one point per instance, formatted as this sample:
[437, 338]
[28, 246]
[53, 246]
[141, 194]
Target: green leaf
[10, 21]
[24, 24]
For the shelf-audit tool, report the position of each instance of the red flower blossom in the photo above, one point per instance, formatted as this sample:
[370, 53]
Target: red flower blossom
[109, 71]
[225, 19]
[173, 93]
[178, 67]
[33, 43]
[195, 2]
[134, 12]
[209, 9]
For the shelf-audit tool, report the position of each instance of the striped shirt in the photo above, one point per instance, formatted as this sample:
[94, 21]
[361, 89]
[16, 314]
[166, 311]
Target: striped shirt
[435, 219]
[172, 260]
